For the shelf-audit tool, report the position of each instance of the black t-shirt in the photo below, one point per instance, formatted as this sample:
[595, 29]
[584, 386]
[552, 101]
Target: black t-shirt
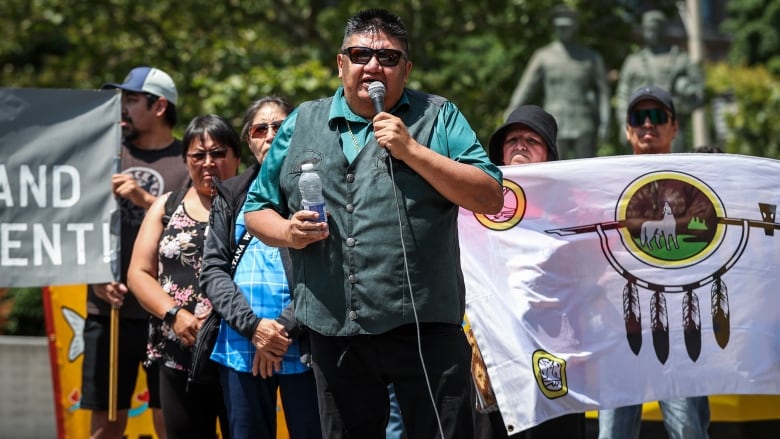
[157, 172]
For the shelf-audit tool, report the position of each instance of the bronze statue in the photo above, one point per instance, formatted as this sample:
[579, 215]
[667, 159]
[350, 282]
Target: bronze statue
[570, 79]
[667, 66]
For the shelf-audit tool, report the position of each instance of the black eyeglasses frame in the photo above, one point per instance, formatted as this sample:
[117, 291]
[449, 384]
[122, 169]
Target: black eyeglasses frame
[385, 57]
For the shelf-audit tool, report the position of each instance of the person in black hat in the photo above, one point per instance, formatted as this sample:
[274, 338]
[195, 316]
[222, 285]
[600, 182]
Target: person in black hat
[151, 164]
[528, 136]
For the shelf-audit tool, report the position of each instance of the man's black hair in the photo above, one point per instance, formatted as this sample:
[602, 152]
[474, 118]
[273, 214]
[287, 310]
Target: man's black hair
[375, 21]
[170, 110]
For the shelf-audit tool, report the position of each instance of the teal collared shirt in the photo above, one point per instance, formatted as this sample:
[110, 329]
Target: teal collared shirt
[355, 282]
[451, 129]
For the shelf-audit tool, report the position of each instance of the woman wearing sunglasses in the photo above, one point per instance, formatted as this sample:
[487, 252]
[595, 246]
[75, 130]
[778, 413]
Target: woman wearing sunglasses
[259, 348]
[261, 123]
[163, 275]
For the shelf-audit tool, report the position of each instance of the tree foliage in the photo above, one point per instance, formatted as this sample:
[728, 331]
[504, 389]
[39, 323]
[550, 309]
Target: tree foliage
[223, 55]
[26, 315]
[752, 80]
[754, 125]
[755, 27]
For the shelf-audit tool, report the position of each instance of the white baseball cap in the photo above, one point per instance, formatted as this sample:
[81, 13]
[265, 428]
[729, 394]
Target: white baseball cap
[149, 80]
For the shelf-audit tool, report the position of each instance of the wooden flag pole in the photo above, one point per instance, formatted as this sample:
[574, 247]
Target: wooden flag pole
[113, 348]
[113, 364]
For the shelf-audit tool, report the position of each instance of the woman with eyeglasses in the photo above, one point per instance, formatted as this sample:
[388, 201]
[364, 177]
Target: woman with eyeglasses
[260, 349]
[163, 275]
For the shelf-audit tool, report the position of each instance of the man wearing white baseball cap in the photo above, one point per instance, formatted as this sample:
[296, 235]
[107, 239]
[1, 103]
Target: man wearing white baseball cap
[151, 164]
[149, 80]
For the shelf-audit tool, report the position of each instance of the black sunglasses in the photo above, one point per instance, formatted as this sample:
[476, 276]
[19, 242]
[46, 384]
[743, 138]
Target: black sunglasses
[200, 156]
[657, 116]
[362, 55]
[258, 130]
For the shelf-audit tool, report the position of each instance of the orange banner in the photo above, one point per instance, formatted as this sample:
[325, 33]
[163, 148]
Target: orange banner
[65, 308]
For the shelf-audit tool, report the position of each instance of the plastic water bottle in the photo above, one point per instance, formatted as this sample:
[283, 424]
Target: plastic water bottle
[311, 191]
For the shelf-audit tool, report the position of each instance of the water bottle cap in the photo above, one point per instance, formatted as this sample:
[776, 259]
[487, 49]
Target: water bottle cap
[307, 167]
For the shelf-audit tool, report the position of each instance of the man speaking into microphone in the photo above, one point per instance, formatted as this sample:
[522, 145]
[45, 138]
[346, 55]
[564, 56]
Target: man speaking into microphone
[384, 266]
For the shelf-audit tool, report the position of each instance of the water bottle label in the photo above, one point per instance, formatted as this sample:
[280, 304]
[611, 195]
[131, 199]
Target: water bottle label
[319, 208]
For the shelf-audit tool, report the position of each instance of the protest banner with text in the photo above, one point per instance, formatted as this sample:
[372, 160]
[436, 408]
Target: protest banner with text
[57, 152]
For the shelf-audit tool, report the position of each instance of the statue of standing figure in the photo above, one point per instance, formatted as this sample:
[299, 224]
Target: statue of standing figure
[571, 81]
[666, 66]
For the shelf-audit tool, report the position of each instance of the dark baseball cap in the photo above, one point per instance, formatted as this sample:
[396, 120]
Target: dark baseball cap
[651, 93]
[534, 118]
[149, 80]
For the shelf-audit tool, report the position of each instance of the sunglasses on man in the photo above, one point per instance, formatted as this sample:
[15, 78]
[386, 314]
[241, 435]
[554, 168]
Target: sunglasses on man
[258, 130]
[658, 116]
[363, 55]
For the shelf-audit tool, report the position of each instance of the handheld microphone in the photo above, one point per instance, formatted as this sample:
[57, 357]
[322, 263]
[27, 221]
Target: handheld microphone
[376, 91]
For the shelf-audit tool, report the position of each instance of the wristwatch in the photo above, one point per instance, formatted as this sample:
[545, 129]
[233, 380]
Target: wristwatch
[170, 315]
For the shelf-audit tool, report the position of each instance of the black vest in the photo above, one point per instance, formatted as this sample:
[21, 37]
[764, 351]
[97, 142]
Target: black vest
[354, 282]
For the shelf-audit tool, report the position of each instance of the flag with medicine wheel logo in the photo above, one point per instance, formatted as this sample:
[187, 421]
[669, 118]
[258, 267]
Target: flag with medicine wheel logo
[613, 281]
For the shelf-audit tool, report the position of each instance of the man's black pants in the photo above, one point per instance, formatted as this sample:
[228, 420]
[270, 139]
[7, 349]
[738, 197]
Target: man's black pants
[353, 372]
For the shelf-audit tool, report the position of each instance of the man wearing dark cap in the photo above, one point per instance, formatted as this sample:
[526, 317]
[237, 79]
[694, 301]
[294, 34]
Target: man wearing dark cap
[665, 65]
[651, 125]
[151, 165]
[528, 136]
[651, 121]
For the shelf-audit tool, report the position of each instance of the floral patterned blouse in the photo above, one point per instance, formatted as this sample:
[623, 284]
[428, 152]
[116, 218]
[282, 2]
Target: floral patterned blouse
[180, 255]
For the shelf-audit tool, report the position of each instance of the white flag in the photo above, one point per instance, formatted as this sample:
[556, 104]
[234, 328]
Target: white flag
[618, 280]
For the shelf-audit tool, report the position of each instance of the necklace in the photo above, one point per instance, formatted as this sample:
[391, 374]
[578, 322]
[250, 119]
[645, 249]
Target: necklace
[354, 140]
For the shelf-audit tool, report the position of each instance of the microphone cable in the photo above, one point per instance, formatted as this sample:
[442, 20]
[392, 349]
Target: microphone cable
[411, 296]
